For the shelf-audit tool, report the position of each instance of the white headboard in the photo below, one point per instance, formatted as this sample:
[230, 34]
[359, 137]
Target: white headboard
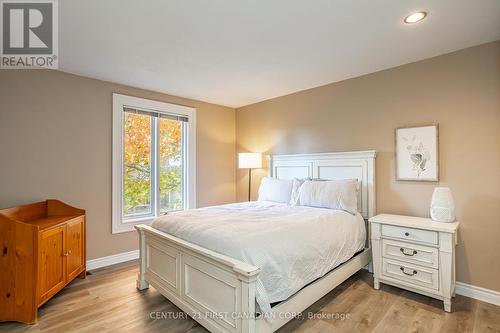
[358, 165]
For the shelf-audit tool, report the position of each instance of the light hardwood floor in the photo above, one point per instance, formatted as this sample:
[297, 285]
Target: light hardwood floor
[107, 301]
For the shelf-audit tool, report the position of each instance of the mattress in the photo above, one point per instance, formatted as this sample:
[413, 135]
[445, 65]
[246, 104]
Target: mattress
[292, 245]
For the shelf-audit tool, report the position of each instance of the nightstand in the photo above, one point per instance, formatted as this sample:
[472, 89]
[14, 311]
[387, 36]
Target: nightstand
[416, 254]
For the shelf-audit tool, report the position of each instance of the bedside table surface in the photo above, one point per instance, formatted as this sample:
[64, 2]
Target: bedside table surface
[415, 222]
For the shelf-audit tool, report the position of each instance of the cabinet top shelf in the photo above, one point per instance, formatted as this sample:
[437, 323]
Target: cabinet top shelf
[44, 215]
[51, 221]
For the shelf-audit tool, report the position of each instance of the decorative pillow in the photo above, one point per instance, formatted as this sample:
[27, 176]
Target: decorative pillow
[333, 194]
[297, 183]
[277, 190]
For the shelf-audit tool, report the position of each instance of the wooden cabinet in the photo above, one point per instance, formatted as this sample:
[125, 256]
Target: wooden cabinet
[43, 249]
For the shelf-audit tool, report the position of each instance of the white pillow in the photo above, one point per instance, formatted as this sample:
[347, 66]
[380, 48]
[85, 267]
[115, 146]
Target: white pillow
[333, 194]
[277, 190]
[358, 183]
[297, 183]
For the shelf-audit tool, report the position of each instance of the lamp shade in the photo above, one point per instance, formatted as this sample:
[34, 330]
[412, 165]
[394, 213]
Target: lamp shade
[249, 160]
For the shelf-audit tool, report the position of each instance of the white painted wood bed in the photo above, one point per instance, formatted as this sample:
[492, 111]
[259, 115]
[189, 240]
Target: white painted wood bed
[218, 291]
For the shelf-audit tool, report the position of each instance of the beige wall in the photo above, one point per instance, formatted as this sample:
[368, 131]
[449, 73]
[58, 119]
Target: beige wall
[55, 142]
[460, 91]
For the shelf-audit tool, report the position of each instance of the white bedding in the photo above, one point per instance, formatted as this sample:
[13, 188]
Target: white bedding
[292, 245]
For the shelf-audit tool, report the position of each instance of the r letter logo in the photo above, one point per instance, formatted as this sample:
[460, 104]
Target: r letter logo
[29, 34]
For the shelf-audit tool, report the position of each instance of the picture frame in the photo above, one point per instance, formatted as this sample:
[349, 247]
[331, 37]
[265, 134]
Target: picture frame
[417, 153]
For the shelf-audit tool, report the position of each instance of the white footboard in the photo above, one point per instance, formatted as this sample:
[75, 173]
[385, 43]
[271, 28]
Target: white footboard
[217, 291]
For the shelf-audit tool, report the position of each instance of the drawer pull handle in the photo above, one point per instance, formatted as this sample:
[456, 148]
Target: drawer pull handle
[409, 274]
[407, 234]
[67, 253]
[408, 254]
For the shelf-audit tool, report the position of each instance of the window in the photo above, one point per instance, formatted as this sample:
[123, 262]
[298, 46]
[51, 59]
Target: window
[153, 160]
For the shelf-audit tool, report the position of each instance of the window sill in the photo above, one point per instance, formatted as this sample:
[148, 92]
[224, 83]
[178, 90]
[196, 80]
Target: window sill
[137, 220]
[129, 224]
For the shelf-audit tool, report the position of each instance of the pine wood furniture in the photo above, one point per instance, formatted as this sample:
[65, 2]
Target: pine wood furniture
[42, 250]
[219, 291]
[416, 254]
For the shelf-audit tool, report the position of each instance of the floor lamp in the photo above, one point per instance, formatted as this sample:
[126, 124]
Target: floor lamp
[249, 161]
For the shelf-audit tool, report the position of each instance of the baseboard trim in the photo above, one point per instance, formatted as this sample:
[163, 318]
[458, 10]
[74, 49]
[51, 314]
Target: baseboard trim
[482, 294]
[111, 260]
[464, 289]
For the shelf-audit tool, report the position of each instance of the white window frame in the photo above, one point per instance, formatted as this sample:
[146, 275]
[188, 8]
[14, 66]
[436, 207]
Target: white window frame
[119, 224]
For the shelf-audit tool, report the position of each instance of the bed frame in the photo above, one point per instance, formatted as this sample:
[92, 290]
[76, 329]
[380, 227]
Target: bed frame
[218, 291]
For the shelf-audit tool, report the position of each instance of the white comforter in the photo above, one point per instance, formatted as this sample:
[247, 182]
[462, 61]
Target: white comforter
[292, 246]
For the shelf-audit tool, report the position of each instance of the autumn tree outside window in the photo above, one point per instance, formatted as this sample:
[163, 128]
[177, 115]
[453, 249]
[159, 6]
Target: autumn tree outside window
[152, 160]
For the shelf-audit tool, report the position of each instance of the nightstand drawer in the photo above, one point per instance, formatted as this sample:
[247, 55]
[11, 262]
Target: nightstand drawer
[418, 235]
[412, 253]
[412, 274]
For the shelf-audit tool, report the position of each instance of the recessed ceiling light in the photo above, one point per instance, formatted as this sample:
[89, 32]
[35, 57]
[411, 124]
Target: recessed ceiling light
[415, 17]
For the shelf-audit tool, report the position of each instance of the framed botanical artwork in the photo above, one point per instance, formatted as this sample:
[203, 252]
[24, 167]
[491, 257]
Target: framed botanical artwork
[417, 153]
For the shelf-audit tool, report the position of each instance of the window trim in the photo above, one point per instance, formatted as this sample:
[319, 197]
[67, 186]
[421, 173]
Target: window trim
[119, 224]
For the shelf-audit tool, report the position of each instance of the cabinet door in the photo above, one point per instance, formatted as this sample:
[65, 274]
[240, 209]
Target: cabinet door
[75, 230]
[52, 263]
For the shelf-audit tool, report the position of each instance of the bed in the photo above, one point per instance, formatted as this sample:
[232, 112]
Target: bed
[211, 270]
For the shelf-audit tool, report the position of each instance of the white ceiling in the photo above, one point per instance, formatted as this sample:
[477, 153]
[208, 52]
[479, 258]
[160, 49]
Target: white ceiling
[238, 52]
